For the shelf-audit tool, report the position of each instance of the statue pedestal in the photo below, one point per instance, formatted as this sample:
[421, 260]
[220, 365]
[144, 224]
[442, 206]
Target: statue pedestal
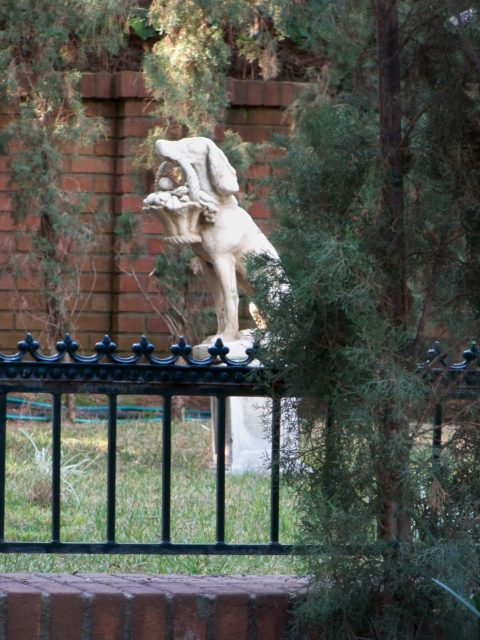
[237, 348]
[247, 437]
[247, 434]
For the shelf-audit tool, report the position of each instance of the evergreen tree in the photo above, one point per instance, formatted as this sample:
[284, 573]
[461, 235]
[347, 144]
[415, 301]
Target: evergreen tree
[380, 189]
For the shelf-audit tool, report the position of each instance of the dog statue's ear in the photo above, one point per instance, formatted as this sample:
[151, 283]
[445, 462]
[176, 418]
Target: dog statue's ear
[223, 176]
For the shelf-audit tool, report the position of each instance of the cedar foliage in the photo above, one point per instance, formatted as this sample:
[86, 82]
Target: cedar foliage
[42, 46]
[377, 276]
[198, 42]
[179, 277]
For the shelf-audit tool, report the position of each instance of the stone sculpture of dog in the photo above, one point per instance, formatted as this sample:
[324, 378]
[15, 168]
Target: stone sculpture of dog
[224, 236]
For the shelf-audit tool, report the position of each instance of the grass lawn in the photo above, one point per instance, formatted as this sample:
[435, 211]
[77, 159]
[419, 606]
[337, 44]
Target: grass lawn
[139, 463]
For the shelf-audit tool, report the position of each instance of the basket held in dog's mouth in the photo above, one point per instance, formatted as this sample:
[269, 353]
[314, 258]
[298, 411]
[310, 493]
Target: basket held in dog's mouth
[181, 223]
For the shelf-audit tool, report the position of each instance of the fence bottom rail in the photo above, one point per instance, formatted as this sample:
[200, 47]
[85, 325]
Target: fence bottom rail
[146, 548]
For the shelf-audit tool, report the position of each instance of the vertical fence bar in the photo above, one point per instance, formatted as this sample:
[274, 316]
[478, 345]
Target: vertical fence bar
[221, 429]
[275, 471]
[56, 465]
[166, 467]
[3, 447]
[437, 434]
[436, 450]
[111, 467]
[330, 452]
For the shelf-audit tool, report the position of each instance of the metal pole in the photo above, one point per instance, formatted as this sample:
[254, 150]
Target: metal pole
[437, 434]
[221, 428]
[111, 467]
[166, 467]
[56, 465]
[3, 446]
[275, 479]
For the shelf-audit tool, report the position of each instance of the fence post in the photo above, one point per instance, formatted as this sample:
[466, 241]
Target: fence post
[166, 467]
[3, 445]
[275, 473]
[111, 467]
[437, 435]
[221, 428]
[56, 465]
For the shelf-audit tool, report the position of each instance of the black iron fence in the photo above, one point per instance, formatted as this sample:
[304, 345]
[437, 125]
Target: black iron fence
[457, 381]
[142, 373]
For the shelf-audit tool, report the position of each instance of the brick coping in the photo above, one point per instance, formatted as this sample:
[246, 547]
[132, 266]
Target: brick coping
[145, 607]
[103, 85]
[162, 583]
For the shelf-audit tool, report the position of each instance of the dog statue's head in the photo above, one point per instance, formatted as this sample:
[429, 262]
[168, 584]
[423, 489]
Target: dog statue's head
[205, 166]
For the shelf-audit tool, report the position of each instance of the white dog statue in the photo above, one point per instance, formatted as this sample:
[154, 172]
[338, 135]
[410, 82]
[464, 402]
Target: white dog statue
[195, 187]
[194, 195]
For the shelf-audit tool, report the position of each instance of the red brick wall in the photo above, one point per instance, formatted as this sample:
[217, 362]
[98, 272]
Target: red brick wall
[118, 296]
[141, 607]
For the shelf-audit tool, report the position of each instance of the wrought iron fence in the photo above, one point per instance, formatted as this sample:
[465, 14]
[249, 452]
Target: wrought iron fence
[107, 373]
[143, 373]
[449, 381]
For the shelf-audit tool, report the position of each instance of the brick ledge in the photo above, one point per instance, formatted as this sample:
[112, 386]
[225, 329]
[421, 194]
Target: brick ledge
[131, 84]
[145, 607]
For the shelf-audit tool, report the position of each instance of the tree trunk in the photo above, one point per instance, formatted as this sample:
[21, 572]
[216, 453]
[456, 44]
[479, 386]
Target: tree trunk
[392, 454]
[393, 216]
[392, 210]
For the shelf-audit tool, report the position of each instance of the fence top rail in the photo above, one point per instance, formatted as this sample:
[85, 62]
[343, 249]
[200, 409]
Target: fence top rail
[459, 379]
[106, 371]
[107, 350]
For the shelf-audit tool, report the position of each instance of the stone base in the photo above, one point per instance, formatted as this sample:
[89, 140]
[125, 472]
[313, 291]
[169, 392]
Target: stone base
[247, 442]
[237, 348]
